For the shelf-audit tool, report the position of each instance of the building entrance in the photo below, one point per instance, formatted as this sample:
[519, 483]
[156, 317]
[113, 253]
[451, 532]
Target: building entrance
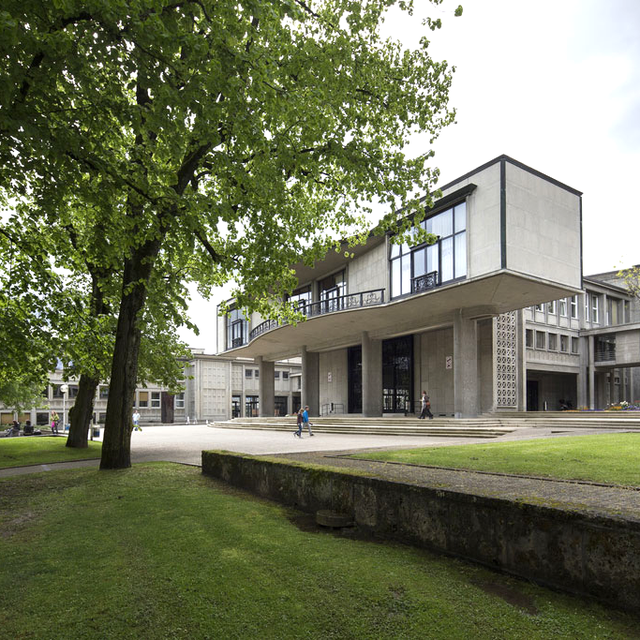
[397, 375]
[355, 380]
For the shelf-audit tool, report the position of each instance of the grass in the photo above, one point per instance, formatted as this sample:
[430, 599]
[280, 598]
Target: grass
[160, 551]
[22, 452]
[607, 458]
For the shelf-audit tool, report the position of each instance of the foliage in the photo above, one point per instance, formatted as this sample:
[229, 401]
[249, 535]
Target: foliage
[163, 552]
[208, 140]
[19, 394]
[631, 279]
[601, 458]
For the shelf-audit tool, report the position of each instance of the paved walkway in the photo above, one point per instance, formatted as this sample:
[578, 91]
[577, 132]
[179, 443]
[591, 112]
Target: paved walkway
[184, 444]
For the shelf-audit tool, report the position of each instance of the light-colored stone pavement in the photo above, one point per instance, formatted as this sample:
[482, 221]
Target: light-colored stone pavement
[185, 443]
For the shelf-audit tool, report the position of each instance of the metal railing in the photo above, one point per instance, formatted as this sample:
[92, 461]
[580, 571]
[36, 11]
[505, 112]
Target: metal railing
[330, 305]
[425, 282]
[331, 408]
[605, 352]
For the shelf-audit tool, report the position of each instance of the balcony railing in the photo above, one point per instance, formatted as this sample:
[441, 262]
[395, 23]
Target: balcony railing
[330, 305]
[605, 352]
[424, 282]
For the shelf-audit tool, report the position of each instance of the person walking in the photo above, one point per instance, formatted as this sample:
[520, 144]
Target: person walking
[55, 421]
[136, 421]
[299, 423]
[426, 407]
[305, 420]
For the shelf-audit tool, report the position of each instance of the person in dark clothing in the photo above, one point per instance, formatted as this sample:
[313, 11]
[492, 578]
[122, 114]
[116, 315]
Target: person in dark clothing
[426, 407]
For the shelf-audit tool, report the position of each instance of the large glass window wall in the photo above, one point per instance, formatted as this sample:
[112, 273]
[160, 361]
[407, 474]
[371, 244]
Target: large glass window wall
[237, 329]
[421, 267]
[301, 298]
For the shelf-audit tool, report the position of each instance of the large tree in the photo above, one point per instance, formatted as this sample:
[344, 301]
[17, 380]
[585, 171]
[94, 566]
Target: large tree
[215, 139]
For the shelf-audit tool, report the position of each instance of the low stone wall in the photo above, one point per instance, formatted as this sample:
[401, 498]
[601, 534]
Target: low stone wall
[576, 552]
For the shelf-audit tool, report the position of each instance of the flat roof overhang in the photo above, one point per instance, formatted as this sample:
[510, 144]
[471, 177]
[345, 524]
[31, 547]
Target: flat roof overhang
[477, 298]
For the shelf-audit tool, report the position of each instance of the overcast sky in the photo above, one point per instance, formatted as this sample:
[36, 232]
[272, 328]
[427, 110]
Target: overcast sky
[555, 84]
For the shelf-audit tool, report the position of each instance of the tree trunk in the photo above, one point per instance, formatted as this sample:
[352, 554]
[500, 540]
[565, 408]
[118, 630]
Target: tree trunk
[81, 413]
[116, 446]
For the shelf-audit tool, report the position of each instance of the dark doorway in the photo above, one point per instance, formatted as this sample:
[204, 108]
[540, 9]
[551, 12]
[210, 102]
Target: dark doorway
[355, 379]
[280, 405]
[397, 375]
[166, 407]
[532, 395]
[235, 406]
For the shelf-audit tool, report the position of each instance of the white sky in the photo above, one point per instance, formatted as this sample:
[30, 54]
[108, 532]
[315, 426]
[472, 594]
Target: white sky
[554, 84]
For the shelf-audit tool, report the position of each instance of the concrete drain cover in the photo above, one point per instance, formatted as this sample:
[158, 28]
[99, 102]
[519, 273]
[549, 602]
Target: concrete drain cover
[329, 518]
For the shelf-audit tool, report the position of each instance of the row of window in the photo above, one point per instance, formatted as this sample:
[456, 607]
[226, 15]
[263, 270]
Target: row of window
[551, 341]
[617, 311]
[145, 398]
[255, 373]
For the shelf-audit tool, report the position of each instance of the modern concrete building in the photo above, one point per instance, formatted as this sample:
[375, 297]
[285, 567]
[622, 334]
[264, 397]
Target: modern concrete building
[395, 319]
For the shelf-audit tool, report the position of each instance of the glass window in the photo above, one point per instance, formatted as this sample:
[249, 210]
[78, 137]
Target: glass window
[563, 307]
[143, 399]
[574, 306]
[285, 375]
[104, 393]
[553, 342]
[257, 374]
[237, 329]
[540, 340]
[564, 344]
[155, 399]
[180, 400]
[575, 345]
[447, 258]
[460, 212]
[539, 307]
[551, 307]
[276, 375]
[301, 297]
[248, 373]
[461, 255]
[595, 308]
[529, 338]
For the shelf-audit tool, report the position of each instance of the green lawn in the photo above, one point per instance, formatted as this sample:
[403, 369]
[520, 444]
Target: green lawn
[608, 458]
[24, 451]
[160, 551]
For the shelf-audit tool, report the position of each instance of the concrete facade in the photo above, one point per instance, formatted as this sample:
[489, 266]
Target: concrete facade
[439, 318]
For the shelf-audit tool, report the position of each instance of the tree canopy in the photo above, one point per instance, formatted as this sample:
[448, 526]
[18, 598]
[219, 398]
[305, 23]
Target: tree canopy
[207, 140]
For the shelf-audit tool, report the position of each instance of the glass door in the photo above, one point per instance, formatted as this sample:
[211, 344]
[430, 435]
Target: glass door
[397, 375]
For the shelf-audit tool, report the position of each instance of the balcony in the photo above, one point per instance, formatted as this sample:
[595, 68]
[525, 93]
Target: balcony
[329, 305]
[425, 282]
[605, 351]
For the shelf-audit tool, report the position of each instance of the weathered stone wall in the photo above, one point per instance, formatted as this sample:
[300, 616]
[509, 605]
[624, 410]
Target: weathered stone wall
[583, 554]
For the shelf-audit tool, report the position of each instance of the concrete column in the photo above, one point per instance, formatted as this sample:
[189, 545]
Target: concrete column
[521, 349]
[310, 391]
[592, 374]
[371, 376]
[583, 377]
[265, 388]
[465, 366]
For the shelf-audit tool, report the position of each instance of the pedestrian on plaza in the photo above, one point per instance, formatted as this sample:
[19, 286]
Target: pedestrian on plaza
[299, 418]
[136, 420]
[426, 407]
[55, 421]
[305, 420]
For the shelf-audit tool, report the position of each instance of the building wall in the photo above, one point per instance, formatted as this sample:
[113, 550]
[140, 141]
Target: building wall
[336, 391]
[486, 374]
[369, 271]
[435, 378]
[543, 231]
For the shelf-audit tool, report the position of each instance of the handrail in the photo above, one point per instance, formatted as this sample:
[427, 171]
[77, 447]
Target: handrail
[330, 305]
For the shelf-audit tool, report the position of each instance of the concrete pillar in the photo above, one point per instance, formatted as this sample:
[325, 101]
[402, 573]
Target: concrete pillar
[371, 376]
[465, 366]
[521, 350]
[592, 374]
[310, 391]
[583, 376]
[265, 388]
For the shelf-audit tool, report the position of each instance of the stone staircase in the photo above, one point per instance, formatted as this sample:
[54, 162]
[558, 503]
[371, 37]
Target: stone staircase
[485, 426]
